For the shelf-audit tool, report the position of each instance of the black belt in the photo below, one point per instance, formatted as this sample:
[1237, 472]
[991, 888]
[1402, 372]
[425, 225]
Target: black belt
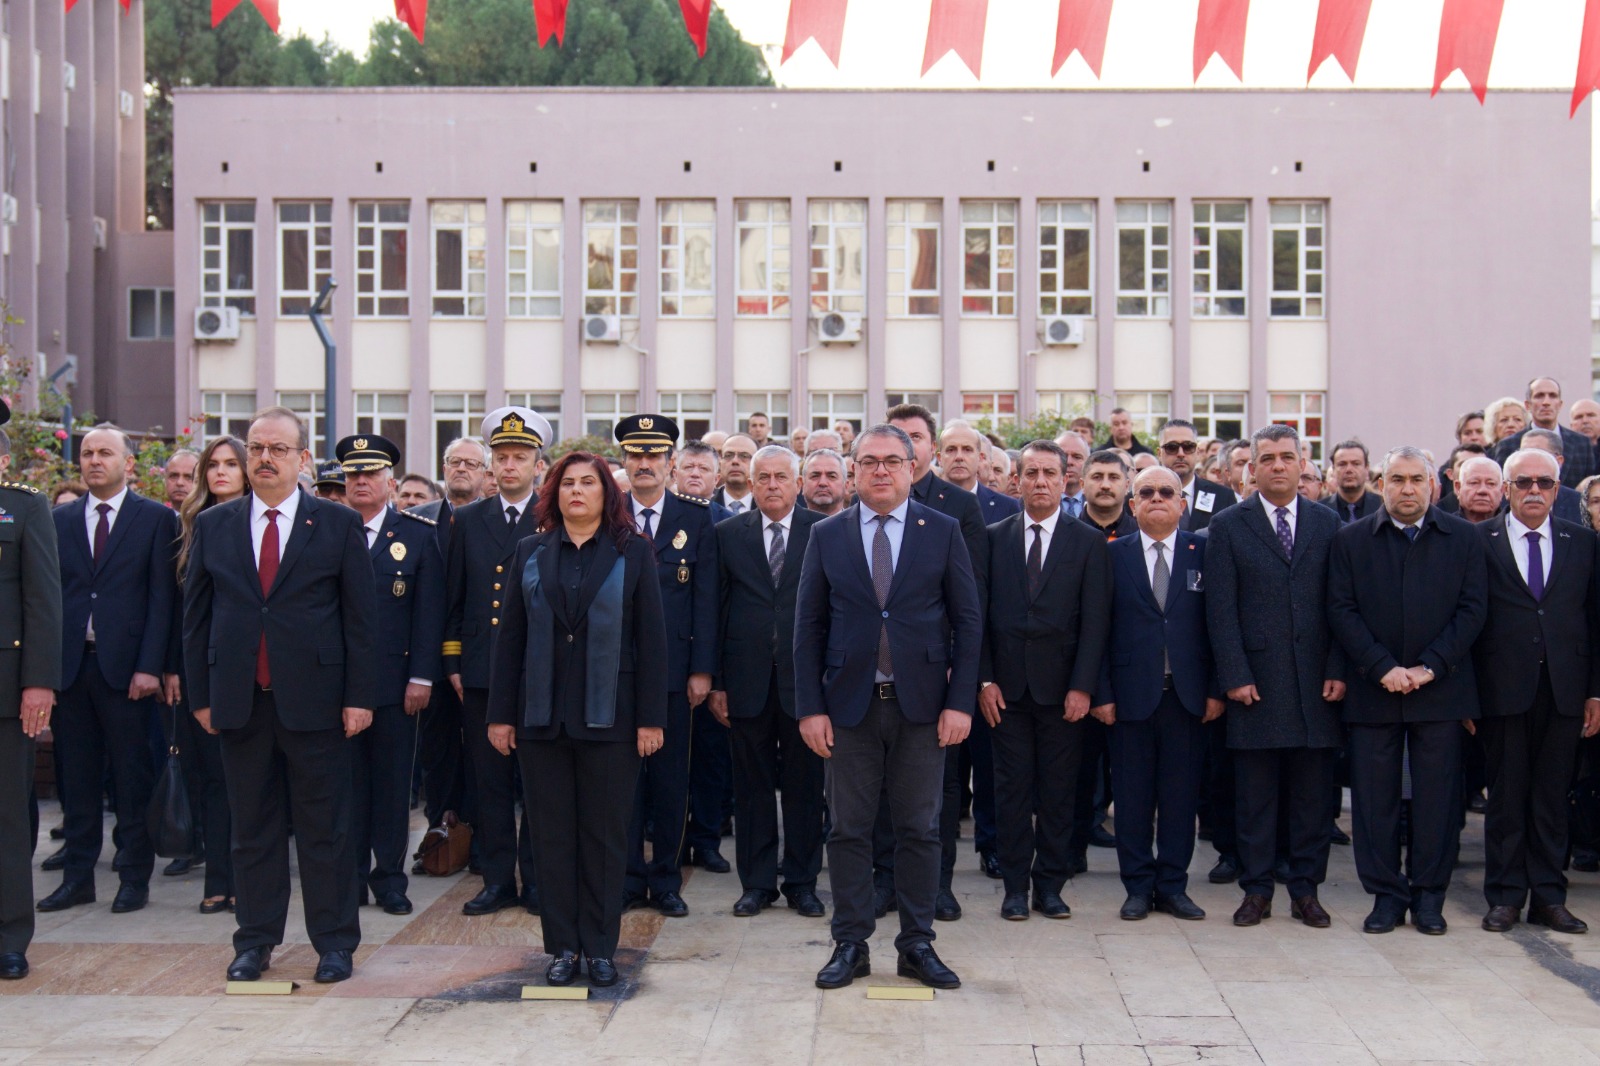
[1166, 683]
[88, 647]
[884, 690]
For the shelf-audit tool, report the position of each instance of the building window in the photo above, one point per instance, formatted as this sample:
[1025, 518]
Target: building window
[455, 414]
[1149, 410]
[688, 258]
[152, 315]
[913, 257]
[547, 404]
[1219, 414]
[1065, 403]
[603, 410]
[460, 265]
[1066, 257]
[227, 414]
[228, 256]
[830, 407]
[933, 401]
[309, 407]
[1303, 411]
[611, 280]
[386, 414]
[533, 259]
[989, 410]
[764, 271]
[775, 405]
[383, 286]
[1297, 273]
[1144, 243]
[693, 411]
[305, 254]
[989, 257]
[838, 255]
[1219, 259]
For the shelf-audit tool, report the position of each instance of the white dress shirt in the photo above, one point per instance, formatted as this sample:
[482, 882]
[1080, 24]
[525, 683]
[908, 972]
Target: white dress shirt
[258, 522]
[1519, 545]
[1047, 529]
[374, 527]
[91, 519]
[736, 504]
[1149, 544]
[1293, 517]
[785, 522]
[521, 505]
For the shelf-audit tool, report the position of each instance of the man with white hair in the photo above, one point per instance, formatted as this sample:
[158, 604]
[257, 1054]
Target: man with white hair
[1480, 489]
[1077, 450]
[823, 438]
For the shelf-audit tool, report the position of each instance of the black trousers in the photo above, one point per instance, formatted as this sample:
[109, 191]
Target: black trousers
[94, 725]
[1094, 784]
[1376, 755]
[662, 805]
[1158, 766]
[584, 793]
[381, 815]
[275, 774]
[710, 779]
[16, 837]
[1308, 775]
[502, 850]
[1037, 759]
[201, 753]
[1223, 804]
[1531, 757]
[769, 757]
[441, 756]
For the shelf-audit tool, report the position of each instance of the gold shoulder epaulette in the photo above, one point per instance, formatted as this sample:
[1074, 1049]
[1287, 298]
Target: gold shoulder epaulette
[698, 501]
[19, 486]
[424, 519]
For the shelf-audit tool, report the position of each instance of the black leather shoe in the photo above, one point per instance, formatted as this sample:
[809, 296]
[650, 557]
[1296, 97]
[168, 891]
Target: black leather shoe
[1478, 804]
[946, 908]
[1252, 909]
[418, 869]
[1339, 836]
[1309, 910]
[1384, 917]
[58, 833]
[394, 903]
[177, 867]
[989, 863]
[1558, 918]
[807, 903]
[602, 973]
[1179, 905]
[1585, 860]
[1050, 904]
[883, 900]
[492, 898]
[250, 964]
[13, 966]
[1077, 863]
[530, 899]
[1500, 919]
[922, 962]
[711, 861]
[70, 894]
[130, 897]
[1225, 872]
[334, 967]
[56, 860]
[214, 906]
[1430, 921]
[1101, 837]
[563, 969]
[753, 903]
[671, 905]
[1014, 908]
[1134, 909]
[849, 961]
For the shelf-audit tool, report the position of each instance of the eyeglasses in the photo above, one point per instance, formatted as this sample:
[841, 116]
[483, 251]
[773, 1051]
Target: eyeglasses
[462, 464]
[1166, 492]
[892, 464]
[1523, 484]
[1187, 447]
[277, 451]
[731, 456]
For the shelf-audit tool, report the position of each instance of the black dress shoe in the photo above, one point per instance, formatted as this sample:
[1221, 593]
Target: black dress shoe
[70, 894]
[1309, 910]
[394, 903]
[671, 905]
[563, 969]
[806, 902]
[13, 966]
[1339, 836]
[1501, 918]
[711, 861]
[1430, 922]
[1135, 909]
[58, 833]
[1050, 904]
[530, 899]
[1252, 909]
[922, 963]
[334, 967]
[178, 867]
[850, 960]
[1384, 917]
[130, 897]
[250, 964]
[1557, 917]
[214, 906]
[1478, 804]
[602, 973]
[418, 869]
[492, 898]
[1179, 905]
[1077, 863]
[1585, 860]
[1101, 837]
[1014, 908]
[946, 908]
[883, 900]
[989, 863]
[56, 860]
[753, 903]
[1225, 872]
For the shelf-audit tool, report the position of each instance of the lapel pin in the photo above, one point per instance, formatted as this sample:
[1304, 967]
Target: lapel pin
[922, 521]
[391, 532]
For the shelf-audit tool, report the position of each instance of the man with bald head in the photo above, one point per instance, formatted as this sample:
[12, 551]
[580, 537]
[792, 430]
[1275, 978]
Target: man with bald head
[963, 458]
[1586, 419]
[736, 493]
[1544, 408]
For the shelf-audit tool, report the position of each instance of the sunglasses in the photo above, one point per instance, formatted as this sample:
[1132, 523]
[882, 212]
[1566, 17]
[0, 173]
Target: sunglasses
[1544, 484]
[1166, 492]
[1187, 447]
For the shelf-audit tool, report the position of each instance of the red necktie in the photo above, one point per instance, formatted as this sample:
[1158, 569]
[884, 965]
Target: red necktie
[268, 569]
[102, 531]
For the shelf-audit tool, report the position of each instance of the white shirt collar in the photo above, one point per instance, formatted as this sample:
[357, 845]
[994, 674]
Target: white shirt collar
[767, 523]
[1519, 532]
[521, 505]
[286, 510]
[115, 502]
[868, 515]
[1048, 523]
[1170, 540]
[1402, 527]
[376, 525]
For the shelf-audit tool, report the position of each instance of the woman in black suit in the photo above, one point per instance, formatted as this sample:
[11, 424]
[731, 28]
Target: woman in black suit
[575, 688]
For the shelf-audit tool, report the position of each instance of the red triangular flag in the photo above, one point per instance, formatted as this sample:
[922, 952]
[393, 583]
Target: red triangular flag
[1467, 32]
[1341, 27]
[550, 20]
[1081, 27]
[821, 20]
[696, 14]
[127, 5]
[1219, 30]
[70, 3]
[1588, 78]
[413, 13]
[956, 26]
[221, 9]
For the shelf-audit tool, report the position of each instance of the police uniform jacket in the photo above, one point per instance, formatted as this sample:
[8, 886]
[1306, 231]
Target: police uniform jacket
[482, 545]
[410, 587]
[30, 597]
[686, 563]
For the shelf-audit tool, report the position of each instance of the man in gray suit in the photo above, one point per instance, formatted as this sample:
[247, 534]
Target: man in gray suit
[1266, 605]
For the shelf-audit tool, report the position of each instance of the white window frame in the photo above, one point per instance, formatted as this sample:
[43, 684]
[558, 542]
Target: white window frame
[468, 220]
[907, 220]
[1204, 414]
[317, 229]
[762, 288]
[603, 410]
[1149, 410]
[984, 406]
[231, 412]
[1209, 301]
[217, 271]
[994, 223]
[166, 312]
[1064, 403]
[933, 401]
[775, 405]
[1152, 221]
[676, 406]
[373, 301]
[1297, 409]
[313, 412]
[826, 408]
[838, 230]
[1057, 218]
[618, 222]
[377, 412]
[1310, 230]
[547, 404]
[462, 411]
[688, 233]
[532, 224]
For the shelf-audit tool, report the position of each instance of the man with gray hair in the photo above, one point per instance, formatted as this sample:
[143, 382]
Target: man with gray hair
[824, 481]
[1077, 449]
[823, 438]
[1543, 400]
[1569, 502]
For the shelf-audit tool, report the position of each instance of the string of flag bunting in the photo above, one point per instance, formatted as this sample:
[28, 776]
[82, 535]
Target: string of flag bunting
[1468, 30]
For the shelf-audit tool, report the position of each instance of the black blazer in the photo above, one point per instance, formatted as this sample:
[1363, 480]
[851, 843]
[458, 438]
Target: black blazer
[30, 596]
[1394, 603]
[130, 591]
[1563, 626]
[409, 576]
[641, 698]
[1578, 454]
[757, 620]
[1371, 503]
[1197, 518]
[481, 547]
[1147, 639]
[320, 618]
[1041, 648]
[996, 505]
[686, 568]
[935, 492]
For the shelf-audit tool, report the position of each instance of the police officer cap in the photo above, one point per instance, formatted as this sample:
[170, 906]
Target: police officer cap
[358, 453]
[330, 474]
[647, 434]
[516, 425]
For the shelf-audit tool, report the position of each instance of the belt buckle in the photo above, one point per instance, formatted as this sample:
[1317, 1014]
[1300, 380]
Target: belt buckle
[885, 690]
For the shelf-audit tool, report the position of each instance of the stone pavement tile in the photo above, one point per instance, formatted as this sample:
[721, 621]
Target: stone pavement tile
[1039, 937]
[1075, 1003]
[102, 1051]
[674, 1007]
[494, 1034]
[1058, 1055]
[1161, 976]
[35, 1024]
[941, 1054]
[776, 1027]
[1394, 1020]
[1561, 1002]
[1189, 1031]
[1114, 1055]
[1262, 968]
[1207, 1055]
[443, 923]
[1277, 1052]
[837, 1048]
[230, 1031]
[121, 969]
[1524, 1047]
[1286, 1014]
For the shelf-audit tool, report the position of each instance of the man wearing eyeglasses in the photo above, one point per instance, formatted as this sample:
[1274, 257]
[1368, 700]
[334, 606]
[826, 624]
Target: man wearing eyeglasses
[1539, 691]
[736, 493]
[1180, 453]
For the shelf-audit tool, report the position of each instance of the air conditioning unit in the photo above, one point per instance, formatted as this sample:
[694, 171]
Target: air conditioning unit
[602, 329]
[125, 102]
[102, 234]
[839, 327]
[216, 323]
[1061, 330]
[8, 209]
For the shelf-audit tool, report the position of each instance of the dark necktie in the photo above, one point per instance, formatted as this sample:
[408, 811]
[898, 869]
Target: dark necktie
[511, 517]
[102, 529]
[1071, 503]
[649, 529]
[882, 578]
[1350, 508]
[1535, 566]
[1035, 560]
[1285, 534]
[1411, 533]
[1159, 580]
[267, 567]
[775, 555]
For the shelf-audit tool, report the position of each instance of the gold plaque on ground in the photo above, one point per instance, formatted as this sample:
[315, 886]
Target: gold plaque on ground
[260, 988]
[398, 550]
[554, 992]
[679, 540]
[900, 992]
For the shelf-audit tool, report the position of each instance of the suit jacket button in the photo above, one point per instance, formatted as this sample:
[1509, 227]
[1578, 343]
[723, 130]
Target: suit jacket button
[494, 621]
[495, 604]
[263, 610]
[499, 569]
[569, 638]
[497, 586]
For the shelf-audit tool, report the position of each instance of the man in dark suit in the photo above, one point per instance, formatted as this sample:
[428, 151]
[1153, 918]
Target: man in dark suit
[1544, 407]
[962, 460]
[409, 576]
[758, 560]
[280, 646]
[1539, 688]
[1568, 506]
[1049, 607]
[735, 494]
[1407, 595]
[1351, 472]
[118, 588]
[477, 582]
[1266, 592]
[1156, 691]
[30, 672]
[1180, 453]
[685, 539]
[887, 629]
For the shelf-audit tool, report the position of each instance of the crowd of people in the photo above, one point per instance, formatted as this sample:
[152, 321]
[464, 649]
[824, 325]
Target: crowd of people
[836, 643]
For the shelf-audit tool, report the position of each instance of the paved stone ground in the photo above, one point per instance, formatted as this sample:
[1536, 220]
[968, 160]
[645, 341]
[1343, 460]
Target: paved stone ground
[1095, 991]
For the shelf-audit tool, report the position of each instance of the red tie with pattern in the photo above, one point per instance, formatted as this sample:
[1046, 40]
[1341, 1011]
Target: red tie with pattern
[268, 568]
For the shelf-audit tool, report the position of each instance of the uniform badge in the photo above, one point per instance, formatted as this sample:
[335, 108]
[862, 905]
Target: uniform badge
[399, 588]
[683, 575]
[398, 550]
[679, 540]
